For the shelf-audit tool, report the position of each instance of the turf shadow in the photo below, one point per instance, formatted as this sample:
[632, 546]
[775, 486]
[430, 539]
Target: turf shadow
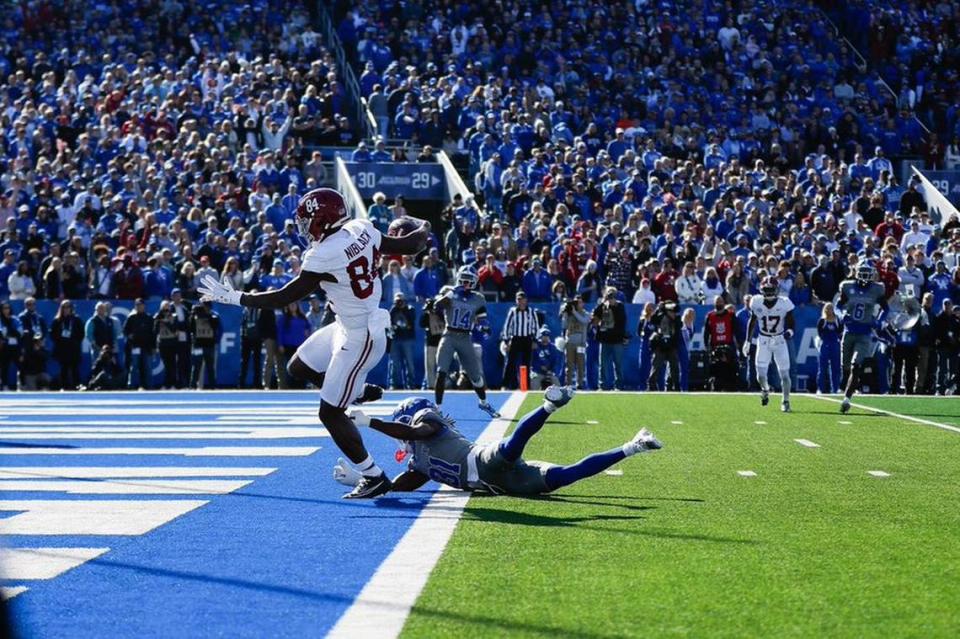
[328, 597]
[837, 413]
[26, 445]
[527, 519]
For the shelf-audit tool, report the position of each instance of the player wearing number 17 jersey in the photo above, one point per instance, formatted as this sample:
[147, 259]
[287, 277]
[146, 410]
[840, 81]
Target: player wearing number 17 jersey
[772, 313]
[343, 259]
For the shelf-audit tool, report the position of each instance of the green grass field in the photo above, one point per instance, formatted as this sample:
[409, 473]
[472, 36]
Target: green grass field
[681, 545]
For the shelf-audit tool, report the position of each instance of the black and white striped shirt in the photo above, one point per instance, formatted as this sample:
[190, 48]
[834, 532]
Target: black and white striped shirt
[521, 323]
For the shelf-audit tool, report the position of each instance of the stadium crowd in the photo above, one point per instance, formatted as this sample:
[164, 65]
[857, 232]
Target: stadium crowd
[620, 152]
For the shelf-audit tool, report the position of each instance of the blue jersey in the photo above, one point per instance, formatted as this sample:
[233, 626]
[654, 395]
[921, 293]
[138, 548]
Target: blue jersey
[443, 457]
[829, 331]
[861, 305]
[462, 309]
[547, 359]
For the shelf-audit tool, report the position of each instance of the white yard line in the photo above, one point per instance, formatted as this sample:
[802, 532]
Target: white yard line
[878, 473]
[43, 563]
[807, 443]
[746, 473]
[200, 451]
[892, 414]
[9, 592]
[126, 472]
[382, 607]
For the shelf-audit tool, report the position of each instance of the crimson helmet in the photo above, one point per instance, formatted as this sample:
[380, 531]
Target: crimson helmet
[770, 289]
[320, 213]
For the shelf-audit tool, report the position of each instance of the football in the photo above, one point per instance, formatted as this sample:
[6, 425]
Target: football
[403, 225]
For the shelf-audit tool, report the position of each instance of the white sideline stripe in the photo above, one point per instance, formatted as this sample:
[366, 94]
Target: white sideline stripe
[201, 451]
[614, 473]
[892, 414]
[95, 433]
[9, 592]
[269, 400]
[845, 423]
[382, 607]
[807, 443]
[172, 410]
[228, 423]
[126, 472]
[99, 427]
[125, 486]
[676, 422]
[746, 473]
[592, 422]
[878, 473]
[43, 563]
[101, 517]
[760, 423]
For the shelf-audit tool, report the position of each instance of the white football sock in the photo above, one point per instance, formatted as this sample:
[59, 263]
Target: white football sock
[369, 468]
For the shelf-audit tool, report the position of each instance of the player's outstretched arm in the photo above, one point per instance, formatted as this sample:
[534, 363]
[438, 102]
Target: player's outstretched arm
[397, 430]
[296, 289]
[409, 244]
[408, 481]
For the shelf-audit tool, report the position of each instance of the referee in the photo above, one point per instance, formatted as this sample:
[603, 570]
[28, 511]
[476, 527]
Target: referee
[518, 335]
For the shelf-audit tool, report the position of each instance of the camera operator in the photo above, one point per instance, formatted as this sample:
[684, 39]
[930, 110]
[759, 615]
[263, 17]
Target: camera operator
[140, 339]
[205, 331]
[33, 365]
[66, 331]
[401, 347]
[610, 318]
[107, 374]
[575, 321]
[665, 344]
[165, 328]
[432, 321]
[718, 340]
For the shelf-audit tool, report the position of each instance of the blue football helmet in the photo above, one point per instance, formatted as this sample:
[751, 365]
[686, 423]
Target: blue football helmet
[411, 406]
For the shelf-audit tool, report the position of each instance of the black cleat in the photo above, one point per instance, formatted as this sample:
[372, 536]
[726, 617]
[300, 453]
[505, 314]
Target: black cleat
[370, 487]
[371, 393]
[764, 398]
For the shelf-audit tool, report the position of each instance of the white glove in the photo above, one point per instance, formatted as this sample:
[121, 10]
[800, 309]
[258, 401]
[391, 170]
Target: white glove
[212, 290]
[360, 419]
[746, 348]
[345, 473]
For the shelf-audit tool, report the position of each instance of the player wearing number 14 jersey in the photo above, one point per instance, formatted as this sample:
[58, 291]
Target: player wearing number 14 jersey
[343, 259]
[772, 313]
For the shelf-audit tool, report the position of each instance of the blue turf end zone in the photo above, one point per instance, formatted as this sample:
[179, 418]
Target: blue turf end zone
[282, 556]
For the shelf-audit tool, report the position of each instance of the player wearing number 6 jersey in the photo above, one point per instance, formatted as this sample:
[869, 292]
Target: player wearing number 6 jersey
[863, 303]
[343, 259]
[773, 315]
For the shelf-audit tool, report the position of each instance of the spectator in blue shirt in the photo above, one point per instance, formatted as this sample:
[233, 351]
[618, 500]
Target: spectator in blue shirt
[537, 283]
[428, 281]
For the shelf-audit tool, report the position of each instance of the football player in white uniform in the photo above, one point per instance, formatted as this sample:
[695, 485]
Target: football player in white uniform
[773, 314]
[343, 259]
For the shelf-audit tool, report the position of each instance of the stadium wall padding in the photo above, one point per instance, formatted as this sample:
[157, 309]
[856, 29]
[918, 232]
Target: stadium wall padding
[804, 352]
